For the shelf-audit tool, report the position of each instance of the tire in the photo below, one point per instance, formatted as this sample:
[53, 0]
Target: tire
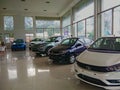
[47, 50]
[72, 59]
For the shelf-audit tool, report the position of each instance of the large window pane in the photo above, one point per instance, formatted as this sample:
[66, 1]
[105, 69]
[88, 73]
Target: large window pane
[66, 20]
[117, 21]
[8, 23]
[90, 28]
[28, 23]
[84, 11]
[75, 29]
[47, 24]
[107, 23]
[56, 31]
[106, 4]
[67, 31]
[81, 29]
[50, 32]
[40, 33]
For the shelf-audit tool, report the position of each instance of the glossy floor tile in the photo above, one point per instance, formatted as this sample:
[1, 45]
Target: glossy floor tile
[21, 70]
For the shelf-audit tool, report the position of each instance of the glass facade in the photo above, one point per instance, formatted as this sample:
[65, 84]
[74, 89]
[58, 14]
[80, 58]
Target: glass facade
[84, 11]
[107, 23]
[116, 21]
[106, 4]
[47, 28]
[81, 28]
[90, 28]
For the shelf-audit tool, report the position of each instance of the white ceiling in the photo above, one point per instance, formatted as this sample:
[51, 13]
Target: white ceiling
[54, 9]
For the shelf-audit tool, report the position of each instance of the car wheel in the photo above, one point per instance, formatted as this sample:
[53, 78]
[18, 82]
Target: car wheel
[72, 59]
[47, 50]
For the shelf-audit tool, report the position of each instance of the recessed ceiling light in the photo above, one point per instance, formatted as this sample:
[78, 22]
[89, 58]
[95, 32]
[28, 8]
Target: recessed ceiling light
[47, 2]
[4, 8]
[44, 10]
[23, 0]
[26, 9]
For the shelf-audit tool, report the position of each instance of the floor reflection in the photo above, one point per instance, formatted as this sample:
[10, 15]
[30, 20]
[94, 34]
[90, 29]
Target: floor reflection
[21, 70]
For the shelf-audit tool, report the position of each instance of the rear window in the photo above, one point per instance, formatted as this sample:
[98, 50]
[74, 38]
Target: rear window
[19, 41]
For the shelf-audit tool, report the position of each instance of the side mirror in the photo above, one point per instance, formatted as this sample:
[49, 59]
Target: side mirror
[56, 41]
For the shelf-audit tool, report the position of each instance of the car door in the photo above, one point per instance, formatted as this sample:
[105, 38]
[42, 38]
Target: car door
[79, 47]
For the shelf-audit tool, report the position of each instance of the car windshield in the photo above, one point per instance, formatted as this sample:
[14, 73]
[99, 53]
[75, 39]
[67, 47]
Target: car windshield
[19, 41]
[107, 44]
[69, 41]
[51, 39]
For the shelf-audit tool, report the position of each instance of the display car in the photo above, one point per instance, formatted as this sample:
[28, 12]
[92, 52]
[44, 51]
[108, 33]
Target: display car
[18, 44]
[99, 65]
[47, 45]
[35, 41]
[67, 50]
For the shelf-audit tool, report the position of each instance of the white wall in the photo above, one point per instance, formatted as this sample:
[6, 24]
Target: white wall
[19, 31]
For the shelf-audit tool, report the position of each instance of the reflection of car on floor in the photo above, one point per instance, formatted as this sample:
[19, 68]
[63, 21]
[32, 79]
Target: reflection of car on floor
[67, 50]
[18, 44]
[99, 65]
[47, 45]
[35, 41]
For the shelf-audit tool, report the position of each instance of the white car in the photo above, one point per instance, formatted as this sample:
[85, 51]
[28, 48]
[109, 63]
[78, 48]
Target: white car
[99, 65]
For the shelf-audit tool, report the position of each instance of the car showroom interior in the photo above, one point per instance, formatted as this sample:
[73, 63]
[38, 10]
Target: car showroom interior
[59, 44]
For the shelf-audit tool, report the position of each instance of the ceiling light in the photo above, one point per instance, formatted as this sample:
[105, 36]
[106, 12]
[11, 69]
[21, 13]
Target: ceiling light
[47, 2]
[44, 10]
[26, 9]
[23, 0]
[4, 8]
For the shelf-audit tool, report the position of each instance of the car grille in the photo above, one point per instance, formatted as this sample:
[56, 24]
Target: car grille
[94, 80]
[55, 52]
[91, 67]
[91, 80]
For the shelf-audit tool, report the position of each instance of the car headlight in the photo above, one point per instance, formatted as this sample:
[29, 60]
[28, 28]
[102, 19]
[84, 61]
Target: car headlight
[113, 68]
[14, 43]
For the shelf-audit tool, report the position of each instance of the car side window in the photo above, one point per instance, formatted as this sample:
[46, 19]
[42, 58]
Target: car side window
[78, 43]
[58, 39]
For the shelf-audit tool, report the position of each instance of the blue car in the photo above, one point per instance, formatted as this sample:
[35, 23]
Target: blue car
[18, 44]
[67, 50]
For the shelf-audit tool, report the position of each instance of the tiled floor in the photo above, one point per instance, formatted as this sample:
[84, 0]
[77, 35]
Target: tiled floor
[20, 70]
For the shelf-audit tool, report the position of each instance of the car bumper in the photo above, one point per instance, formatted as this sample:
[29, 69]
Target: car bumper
[59, 58]
[39, 51]
[18, 47]
[100, 79]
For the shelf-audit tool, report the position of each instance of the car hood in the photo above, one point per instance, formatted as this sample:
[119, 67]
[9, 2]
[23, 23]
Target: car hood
[36, 42]
[18, 43]
[98, 58]
[60, 48]
[47, 44]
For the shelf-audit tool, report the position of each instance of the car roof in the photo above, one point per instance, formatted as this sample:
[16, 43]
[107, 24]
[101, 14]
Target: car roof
[110, 37]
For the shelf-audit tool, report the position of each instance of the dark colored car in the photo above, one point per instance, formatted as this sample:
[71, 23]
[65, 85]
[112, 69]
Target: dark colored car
[35, 41]
[18, 44]
[47, 45]
[67, 50]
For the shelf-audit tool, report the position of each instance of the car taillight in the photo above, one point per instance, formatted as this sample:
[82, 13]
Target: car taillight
[113, 68]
